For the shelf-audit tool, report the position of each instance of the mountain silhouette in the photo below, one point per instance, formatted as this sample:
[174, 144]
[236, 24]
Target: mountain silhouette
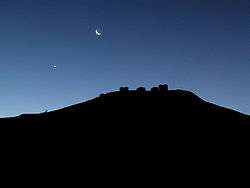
[135, 135]
[137, 111]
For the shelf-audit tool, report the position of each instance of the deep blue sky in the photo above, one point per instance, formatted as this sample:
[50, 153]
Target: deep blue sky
[197, 45]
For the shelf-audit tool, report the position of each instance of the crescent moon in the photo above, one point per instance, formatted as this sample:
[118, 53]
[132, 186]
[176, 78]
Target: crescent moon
[98, 33]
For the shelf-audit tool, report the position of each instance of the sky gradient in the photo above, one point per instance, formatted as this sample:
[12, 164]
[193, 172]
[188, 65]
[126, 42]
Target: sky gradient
[197, 45]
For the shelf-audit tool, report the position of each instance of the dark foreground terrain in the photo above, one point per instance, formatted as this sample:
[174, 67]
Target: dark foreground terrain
[138, 110]
[133, 138]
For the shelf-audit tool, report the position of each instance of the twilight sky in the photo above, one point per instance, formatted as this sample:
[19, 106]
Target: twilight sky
[197, 45]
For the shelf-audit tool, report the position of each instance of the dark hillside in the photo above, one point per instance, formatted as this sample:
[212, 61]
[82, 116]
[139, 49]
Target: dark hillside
[127, 110]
